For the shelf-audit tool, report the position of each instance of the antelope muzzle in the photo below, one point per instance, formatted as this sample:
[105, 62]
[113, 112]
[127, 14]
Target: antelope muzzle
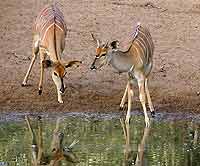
[93, 67]
[62, 89]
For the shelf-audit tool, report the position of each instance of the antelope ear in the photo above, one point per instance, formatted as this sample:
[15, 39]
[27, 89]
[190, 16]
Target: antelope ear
[72, 63]
[47, 63]
[114, 44]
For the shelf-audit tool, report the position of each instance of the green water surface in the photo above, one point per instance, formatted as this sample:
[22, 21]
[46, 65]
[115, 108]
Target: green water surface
[102, 142]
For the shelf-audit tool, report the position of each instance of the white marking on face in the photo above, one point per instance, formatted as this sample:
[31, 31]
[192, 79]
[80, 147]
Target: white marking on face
[58, 84]
[57, 81]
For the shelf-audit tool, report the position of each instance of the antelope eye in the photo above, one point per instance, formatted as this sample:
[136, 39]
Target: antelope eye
[55, 74]
[103, 55]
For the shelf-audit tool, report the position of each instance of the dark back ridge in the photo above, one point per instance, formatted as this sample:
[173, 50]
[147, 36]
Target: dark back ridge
[48, 16]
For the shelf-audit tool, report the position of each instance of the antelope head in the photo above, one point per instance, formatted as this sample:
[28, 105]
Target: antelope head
[101, 54]
[57, 141]
[102, 51]
[58, 73]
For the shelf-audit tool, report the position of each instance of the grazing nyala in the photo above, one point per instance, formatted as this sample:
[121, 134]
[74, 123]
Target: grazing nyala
[49, 41]
[56, 152]
[137, 62]
[130, 155]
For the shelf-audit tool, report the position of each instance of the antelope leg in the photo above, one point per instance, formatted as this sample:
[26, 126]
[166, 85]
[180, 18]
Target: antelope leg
[124, 128]
[124, 98]
[142, 96]
[141, 147]
[40, 141]
[34, 55]
[130, 95]
[149, 99]
[42, 57]
[34, 143]
[127, 149]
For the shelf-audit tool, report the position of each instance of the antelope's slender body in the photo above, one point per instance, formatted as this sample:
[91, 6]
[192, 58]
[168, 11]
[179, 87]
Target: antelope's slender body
[49, 41]
[137, 62]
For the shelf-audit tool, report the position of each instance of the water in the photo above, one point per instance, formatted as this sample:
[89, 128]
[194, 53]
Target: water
[103, 142]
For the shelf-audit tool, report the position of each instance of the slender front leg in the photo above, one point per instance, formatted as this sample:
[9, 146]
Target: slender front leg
[142, 96]
[149, 99]
[123, 127]
[40, 141]
[124, 98]
[141, 147]
[127, 135]
[42, 58]
[127, 149]
[34, 55]
[130, 95]
[34, 142]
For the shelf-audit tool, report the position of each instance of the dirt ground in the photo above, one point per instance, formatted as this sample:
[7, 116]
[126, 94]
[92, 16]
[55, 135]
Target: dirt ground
[174, 82]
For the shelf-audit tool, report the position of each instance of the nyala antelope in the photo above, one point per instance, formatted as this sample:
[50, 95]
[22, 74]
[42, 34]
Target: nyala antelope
[129, 153]
[57, 149]
[49, 40]
[137, 62]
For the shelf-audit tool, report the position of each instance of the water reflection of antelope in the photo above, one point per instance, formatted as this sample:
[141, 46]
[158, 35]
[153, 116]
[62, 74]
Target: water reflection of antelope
[137, 62]
[49, 41]
[130, 158]
[58, 151]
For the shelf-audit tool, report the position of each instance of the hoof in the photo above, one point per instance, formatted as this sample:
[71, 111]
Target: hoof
[61, 102]
[39, 117]
[23, 85]
[153, 114]
[40, 92]
[122, 108]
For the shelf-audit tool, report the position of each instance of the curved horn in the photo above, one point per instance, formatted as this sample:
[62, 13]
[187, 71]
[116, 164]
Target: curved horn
[106, 45]
[98, 42]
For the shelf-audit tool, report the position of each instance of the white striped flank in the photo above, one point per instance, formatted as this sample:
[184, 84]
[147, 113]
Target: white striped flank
[49, 16]
[49, 41]
[136, 60]
[143, 42]
[44, 35]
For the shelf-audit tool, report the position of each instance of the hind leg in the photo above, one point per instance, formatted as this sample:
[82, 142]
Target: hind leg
[142, 96]
[149, 99]
[130, 96]
[124, 98]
